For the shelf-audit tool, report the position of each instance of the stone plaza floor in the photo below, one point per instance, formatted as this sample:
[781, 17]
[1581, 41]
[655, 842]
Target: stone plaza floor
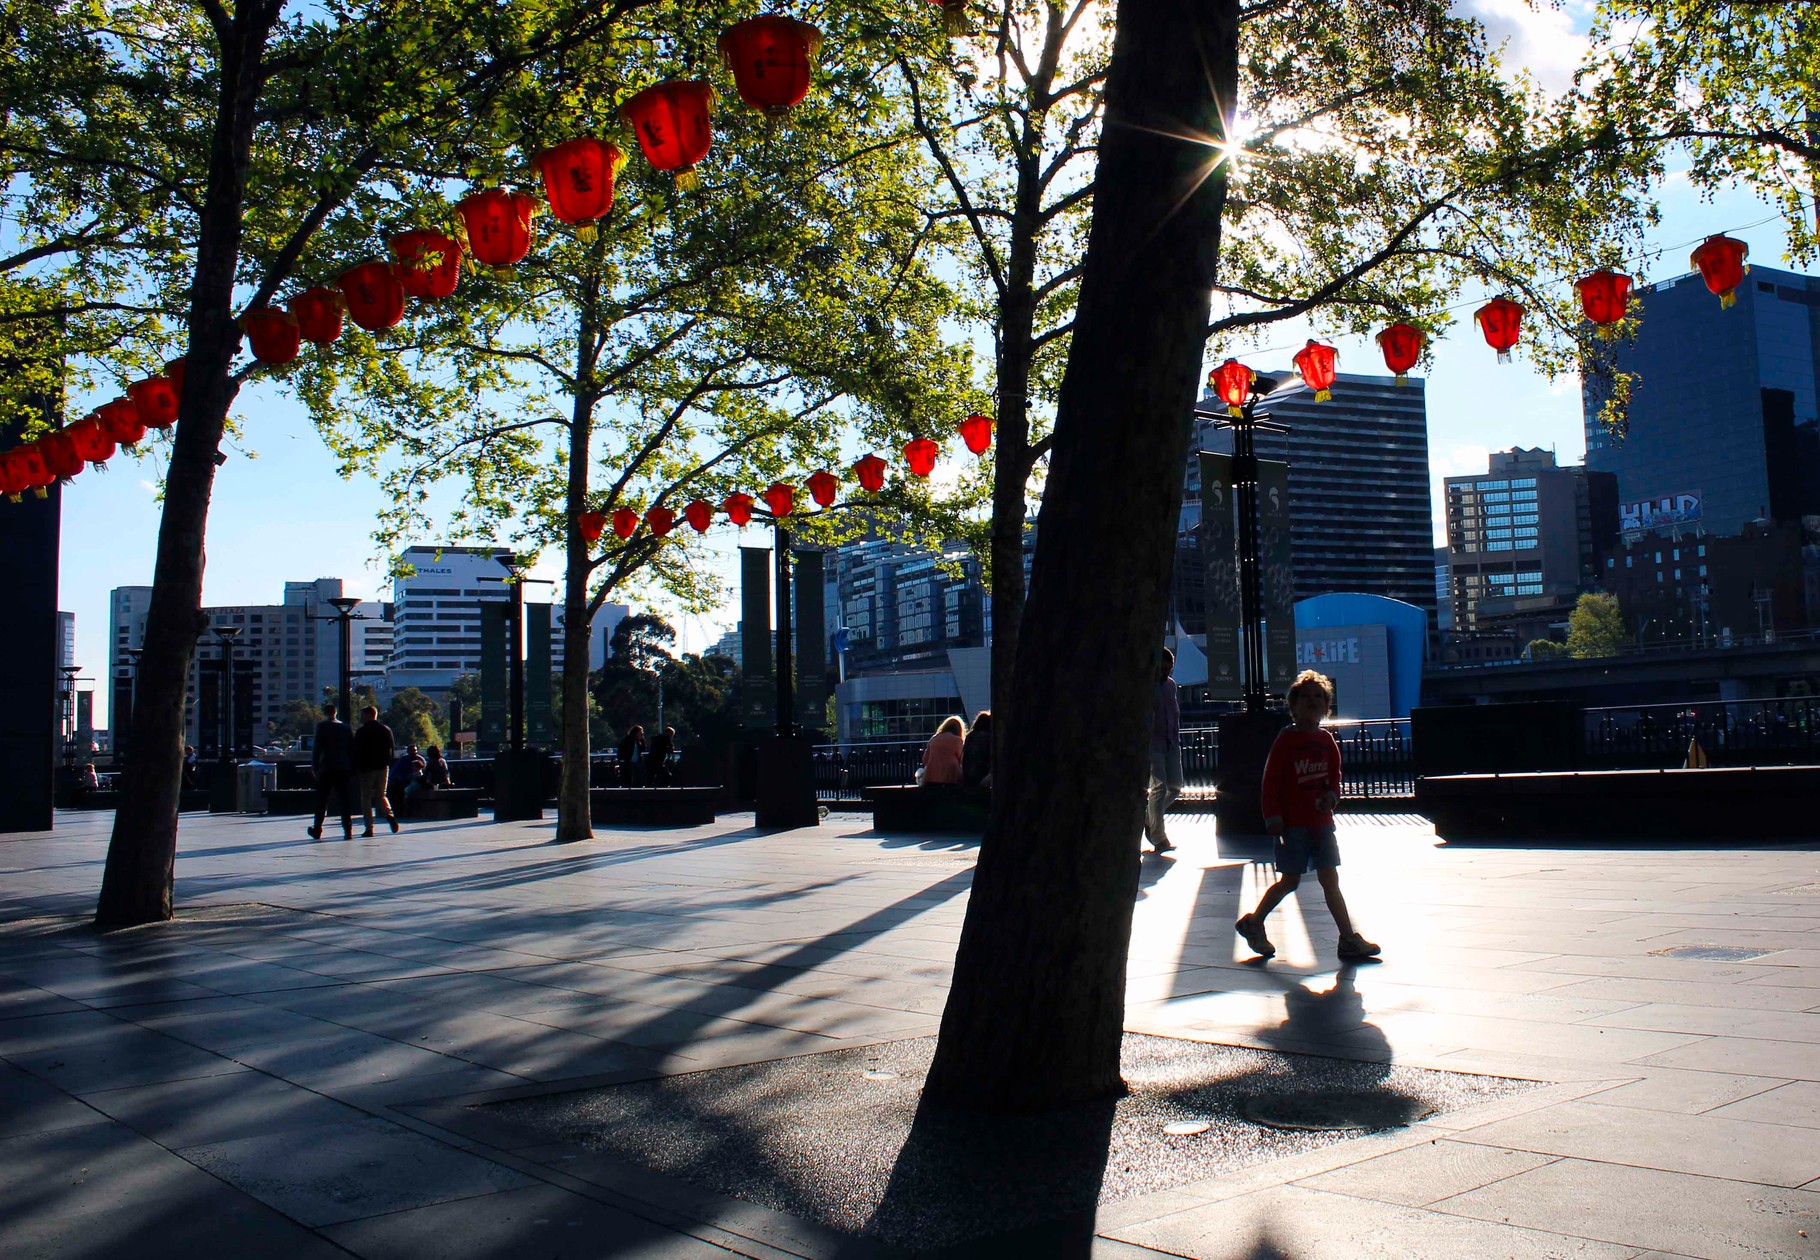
[292, 1068]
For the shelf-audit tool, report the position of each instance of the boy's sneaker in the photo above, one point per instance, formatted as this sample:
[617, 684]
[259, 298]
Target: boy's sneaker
[1352, 945]
[1253, 932]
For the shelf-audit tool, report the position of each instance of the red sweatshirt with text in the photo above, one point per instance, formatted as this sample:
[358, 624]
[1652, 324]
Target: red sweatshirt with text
[1302, 765]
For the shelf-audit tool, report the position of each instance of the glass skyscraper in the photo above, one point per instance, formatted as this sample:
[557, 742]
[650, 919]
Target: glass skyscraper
[1722, 417]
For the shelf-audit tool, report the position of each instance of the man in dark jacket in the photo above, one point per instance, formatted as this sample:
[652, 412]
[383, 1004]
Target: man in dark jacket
[332, 758]
[373, 749]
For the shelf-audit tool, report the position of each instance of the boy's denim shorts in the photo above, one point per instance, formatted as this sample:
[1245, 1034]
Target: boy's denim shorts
[1304, 849]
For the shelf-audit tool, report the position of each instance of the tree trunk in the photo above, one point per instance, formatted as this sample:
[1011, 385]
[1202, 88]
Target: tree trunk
[574, 818]
[1036, 1014]
[136, 884]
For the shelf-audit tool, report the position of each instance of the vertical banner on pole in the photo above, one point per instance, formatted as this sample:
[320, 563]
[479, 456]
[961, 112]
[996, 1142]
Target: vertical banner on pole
[811, 644]
[490, 731]
[208, 709]
[120, 715]
[1277, 569]
[757, 687]
[1219, 547]
[537, 676]
[246, 698]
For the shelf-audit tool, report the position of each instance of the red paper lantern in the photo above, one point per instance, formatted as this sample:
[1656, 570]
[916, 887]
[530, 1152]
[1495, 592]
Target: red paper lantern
[661, 520]
[921, 453]
[1603, 298]
[700, 514]
[318, 314]
[499, 230]
[823, 486]
[771, 58]
[625, 522]
[871, 473]
[29, 471]
[780, 497]
[976, 432]
[671, 122]
[592, 525]
[374, 295]
[120, 421]
[91, 441]
[274, 335]
[60, 455]
[173, 371]
[12, 480]
[1402, 346]
[429, 263]
[1501, 320]
[578, 180]
[954, 16]
[738, 508]
[1315, 362]
[1721, 263]
[1231, 381]
[155, 398]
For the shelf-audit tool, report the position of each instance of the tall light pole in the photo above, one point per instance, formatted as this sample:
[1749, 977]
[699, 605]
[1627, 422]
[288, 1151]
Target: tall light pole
[345, 617]
[227, 635]
[122, 718]
[66, 727]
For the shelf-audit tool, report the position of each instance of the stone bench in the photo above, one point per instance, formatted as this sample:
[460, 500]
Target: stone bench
[1743, 803]
[189, 800]
[441, 804]
[654, 806]
[938, 807]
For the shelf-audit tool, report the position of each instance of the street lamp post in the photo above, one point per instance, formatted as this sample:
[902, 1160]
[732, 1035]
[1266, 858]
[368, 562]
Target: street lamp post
[67, 727]
[518, 772]
[345, 618]
[227, 635]
[1245, 738]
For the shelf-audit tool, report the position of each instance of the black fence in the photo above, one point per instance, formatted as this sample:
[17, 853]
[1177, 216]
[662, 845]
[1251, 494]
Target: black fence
[1375, 754]
[1782, 732]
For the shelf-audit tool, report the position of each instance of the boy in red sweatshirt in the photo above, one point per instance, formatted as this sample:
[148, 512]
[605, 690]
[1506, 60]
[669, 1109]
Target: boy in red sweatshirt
[1301, 787]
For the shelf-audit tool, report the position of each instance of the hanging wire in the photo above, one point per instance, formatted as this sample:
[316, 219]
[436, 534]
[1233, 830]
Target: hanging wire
[1641, 259]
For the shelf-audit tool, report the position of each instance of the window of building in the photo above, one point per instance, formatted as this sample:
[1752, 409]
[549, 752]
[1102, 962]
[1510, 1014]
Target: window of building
[1629, 562]
[1702, 570]
[1677, 575]
[1703, 549]
[1658, 557]
[1498, 546]
[1523, 482]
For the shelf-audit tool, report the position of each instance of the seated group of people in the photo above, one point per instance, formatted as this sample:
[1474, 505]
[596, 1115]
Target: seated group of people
[959, 756]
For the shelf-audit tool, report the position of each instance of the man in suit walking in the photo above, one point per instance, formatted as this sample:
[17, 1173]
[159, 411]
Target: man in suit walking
[332, 758]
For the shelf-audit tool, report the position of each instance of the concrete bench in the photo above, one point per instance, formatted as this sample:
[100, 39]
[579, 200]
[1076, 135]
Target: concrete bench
[441, 804]
[1743, 803]
[654, 806]
[938, 807]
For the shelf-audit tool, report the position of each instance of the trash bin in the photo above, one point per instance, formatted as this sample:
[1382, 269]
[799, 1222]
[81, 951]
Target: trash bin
[255, 780]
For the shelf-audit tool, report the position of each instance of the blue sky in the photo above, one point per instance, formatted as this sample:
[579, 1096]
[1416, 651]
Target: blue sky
[282, 512]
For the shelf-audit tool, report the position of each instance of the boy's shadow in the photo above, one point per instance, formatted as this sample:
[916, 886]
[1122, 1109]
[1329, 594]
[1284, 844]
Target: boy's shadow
[1329, 1020]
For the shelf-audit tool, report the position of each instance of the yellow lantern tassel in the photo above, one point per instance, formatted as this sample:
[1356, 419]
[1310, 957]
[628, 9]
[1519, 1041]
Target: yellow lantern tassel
[586, 233]
[687, 180]
[1503, 356]
[954, 17]
[1402, 378]
[505, 273]
[1607, 332]
[1728, 299]
[41, 491]
[1235, 412]
[1323, 395]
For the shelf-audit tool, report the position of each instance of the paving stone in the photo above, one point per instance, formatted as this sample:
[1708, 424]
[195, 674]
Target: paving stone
[1671, 1089]
[541, 1221]
[1644, 1207]
[1709, 1145]
[28, 1105]
[1423, 1174]
[217, 1108]
[347, 1171]
[1291, 1221]
[1797, 1103]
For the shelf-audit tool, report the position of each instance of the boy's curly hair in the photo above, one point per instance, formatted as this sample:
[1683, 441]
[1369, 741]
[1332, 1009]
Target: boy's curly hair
[1312, 680]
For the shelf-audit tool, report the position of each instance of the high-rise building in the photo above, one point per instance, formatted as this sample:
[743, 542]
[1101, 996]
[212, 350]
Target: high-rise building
[1524, 539]
[1360, 513]
[66, 639]
[436, 616]
[1722, 427]
[903, 608]
[1443, 590]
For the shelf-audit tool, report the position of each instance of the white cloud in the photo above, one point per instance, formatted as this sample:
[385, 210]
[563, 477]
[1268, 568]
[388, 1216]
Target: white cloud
[1460, 461]
[1547, 40]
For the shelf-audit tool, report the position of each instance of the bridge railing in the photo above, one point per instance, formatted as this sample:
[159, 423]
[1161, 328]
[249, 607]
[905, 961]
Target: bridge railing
[1782, 732]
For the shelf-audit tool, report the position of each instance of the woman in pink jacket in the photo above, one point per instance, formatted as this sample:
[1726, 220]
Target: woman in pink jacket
[942, 758]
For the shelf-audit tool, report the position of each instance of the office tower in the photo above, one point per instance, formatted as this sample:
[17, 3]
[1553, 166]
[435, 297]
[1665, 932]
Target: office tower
[1722, 415]
[1527, 534]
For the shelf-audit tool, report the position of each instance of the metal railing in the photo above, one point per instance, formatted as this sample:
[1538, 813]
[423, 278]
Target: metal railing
[1730, 733]
[1375, 754]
